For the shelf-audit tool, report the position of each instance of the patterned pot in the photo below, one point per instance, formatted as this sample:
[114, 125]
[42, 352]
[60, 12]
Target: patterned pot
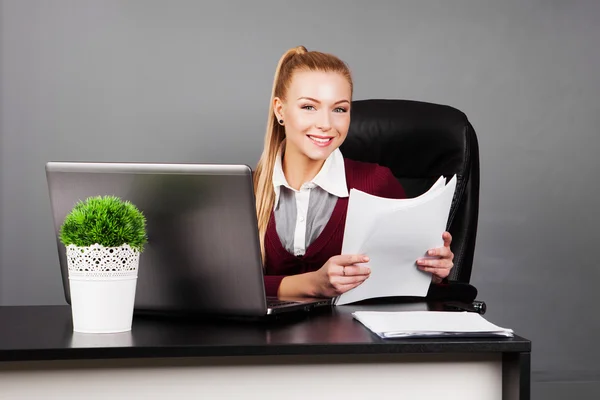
[102, 282]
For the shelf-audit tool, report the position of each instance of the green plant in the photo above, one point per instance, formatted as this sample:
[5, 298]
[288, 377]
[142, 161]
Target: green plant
[105, 220]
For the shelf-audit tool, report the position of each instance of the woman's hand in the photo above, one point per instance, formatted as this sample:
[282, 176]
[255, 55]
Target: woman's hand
[440, 260]
[339, 274]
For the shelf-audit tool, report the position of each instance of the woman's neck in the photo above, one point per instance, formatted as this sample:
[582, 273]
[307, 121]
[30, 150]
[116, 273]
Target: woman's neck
[299, 169]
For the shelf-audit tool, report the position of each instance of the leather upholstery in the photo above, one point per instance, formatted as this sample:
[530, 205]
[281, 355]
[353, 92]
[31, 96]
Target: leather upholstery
[419, 142]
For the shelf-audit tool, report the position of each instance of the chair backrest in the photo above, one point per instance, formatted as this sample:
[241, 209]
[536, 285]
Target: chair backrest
[419, 142]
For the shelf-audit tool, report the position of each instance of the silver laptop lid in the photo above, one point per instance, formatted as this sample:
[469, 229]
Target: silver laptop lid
[203, 251]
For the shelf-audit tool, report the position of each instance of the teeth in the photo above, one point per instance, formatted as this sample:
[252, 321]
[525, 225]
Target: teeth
[320, 140]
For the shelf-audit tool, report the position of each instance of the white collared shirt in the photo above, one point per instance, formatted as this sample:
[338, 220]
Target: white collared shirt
[302, 214]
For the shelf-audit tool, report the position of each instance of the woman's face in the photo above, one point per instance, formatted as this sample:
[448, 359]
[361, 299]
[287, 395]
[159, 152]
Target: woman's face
[316, 113]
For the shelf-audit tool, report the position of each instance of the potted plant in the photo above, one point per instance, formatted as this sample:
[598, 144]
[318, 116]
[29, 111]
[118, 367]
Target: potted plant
[104, 237]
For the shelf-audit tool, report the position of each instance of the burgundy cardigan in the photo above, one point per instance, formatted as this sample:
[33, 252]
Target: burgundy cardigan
[279, 263]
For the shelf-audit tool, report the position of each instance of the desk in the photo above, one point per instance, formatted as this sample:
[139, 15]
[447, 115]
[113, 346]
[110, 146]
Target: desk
[325, 355]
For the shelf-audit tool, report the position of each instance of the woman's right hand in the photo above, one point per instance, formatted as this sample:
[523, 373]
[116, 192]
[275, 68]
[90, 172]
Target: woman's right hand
[340, 274]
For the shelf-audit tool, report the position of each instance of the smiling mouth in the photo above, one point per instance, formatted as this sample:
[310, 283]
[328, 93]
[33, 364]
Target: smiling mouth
[320, 140]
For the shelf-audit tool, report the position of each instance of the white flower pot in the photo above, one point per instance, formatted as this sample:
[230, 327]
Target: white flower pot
[121, 339]
[102, 282]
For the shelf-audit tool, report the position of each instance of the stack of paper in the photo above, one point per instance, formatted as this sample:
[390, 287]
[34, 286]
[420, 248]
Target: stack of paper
[401, 324]
[394, 233]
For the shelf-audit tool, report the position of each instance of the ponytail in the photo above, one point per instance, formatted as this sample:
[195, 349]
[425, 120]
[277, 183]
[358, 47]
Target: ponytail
[263, 177]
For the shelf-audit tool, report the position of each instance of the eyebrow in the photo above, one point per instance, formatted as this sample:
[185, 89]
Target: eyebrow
[317, 101]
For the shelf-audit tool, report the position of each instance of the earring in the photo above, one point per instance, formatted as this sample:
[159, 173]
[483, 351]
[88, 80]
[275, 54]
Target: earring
[281, 121]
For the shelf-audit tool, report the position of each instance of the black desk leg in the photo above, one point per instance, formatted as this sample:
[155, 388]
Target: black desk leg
[516, 376]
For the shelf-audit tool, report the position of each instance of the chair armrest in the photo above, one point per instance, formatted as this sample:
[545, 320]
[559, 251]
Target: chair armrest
[476, 306]
[456, 295]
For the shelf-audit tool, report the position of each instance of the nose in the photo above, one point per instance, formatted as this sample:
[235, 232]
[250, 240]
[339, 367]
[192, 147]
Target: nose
[323, 121]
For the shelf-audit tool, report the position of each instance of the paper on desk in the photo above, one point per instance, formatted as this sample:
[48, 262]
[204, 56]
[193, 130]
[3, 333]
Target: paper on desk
[398, 324]
[394, 233]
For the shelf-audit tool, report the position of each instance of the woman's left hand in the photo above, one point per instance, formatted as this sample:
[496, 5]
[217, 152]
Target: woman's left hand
[439, 262]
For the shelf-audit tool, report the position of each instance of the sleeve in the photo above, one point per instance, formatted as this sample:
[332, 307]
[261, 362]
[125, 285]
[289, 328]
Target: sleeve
[272, 283]
[389, 186]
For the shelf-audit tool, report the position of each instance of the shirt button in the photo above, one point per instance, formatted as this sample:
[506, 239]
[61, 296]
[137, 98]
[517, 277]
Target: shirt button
[301, 219]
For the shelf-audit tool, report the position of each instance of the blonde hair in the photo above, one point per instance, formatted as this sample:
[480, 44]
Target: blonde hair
[295, 59]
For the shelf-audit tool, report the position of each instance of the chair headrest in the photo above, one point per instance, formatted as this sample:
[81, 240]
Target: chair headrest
[418, 141]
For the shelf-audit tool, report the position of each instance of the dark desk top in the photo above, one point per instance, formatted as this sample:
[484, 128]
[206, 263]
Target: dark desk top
[46, 333]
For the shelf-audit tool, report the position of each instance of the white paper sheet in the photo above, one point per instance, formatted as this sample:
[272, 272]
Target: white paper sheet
[398, 324]
[364, 208]
[394, 233]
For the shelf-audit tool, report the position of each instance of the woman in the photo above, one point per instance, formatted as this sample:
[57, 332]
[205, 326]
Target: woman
[302, 183]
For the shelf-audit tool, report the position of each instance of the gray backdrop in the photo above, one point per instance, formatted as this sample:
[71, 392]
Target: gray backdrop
[190, 82]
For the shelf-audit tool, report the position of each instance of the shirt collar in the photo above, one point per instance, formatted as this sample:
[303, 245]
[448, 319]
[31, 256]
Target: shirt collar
[331, 177]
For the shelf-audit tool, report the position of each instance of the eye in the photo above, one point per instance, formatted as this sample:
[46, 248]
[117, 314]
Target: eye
[341, 109]
[307, 107]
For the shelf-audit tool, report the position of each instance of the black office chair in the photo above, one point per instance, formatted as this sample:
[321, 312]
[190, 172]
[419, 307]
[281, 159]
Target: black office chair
[419, 142]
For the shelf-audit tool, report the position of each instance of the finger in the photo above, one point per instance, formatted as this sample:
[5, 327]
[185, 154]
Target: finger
[344, 288]
[447, 237]
[343, 284]
[348, 280]
[349, 259]
[352, 270]
[444, 252]
[435, 263]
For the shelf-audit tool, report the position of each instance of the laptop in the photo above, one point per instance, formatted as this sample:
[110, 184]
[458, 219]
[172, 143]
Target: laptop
[203, 253]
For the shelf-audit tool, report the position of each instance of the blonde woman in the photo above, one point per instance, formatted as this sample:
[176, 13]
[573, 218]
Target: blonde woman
[302, 182]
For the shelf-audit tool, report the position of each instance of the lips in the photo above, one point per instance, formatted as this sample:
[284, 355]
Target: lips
[321, 141]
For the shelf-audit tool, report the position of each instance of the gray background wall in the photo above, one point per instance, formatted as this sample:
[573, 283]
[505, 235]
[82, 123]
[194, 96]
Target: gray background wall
[189, 82]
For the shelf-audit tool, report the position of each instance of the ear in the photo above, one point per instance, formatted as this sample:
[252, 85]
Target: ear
[278, 108]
